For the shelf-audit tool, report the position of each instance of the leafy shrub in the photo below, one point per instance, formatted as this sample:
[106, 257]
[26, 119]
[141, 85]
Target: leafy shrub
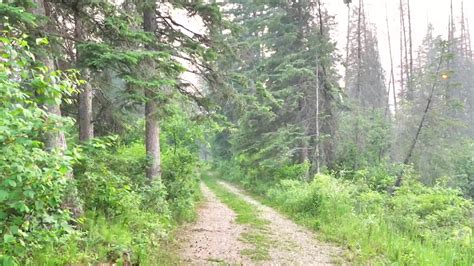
[418, 225]
[128, 214]
[292, 171]
[108, 193]
[259, 179]
[379, 178]
[430, 212]
[181, 180]
[33, 181]
[296, 198]
[108, 179]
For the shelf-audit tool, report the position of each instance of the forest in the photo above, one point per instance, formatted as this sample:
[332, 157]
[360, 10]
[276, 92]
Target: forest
[140, 132]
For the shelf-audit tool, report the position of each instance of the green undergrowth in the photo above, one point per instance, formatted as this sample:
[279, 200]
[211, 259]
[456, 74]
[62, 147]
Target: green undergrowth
[418, 225]
[248, 215]
[126, 219]
[121, 240]
[376, 228]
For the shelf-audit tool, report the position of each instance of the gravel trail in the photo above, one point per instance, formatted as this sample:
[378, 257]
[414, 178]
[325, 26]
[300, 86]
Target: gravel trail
[293, 244]
[215, 237]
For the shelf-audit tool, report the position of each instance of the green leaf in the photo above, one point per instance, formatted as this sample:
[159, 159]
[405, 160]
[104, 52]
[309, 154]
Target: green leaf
[7, 261]
[8, 238]
[49, 219]
[63, 170]
[11, 182]
[3, 195]
[42, 41]
[22, 207]
[29, 193]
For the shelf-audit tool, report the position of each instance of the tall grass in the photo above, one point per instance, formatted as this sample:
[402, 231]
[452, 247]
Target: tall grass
[417, 226]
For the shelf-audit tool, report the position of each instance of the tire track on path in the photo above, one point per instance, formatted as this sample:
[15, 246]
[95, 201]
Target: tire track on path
[292, 244]
[214, 237]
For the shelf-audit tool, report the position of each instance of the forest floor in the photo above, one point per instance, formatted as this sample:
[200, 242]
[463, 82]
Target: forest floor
[233, 228]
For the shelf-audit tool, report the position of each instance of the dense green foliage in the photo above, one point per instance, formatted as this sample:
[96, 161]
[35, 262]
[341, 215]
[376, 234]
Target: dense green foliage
[89, 202]
[108, 107]
[33, 180]
[394, 179]
[124, 214]
[418, 225]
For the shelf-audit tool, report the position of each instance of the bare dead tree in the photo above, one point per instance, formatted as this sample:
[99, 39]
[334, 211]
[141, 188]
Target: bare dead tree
[392, 72]
[348, 34]
[407, 159]
[402, 79]
[404, 50]
[317, 152]
[451, 42]
[410, 42]
[358, 81]
[359, 48]
[463, 31]
[468, 38]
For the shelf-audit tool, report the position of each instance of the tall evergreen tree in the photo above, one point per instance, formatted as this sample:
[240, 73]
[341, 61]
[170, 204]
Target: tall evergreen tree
[364, 133]
[286, 57]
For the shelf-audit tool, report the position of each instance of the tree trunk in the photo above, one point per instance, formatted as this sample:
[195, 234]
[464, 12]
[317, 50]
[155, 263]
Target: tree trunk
[152, 126]
[410, 43]
[86, 128]
[348, 40]
[328, 124]
[56, 140]
[152, 138]
[402, 78]
[392, 74]
[318, 137]
[409, 93]
[399, 180]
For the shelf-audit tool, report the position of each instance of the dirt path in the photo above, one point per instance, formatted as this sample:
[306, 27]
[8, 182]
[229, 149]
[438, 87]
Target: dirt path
[215, 237]
[292, 244]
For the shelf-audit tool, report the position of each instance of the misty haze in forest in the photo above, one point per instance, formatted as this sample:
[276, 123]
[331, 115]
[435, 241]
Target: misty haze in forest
[142, 132]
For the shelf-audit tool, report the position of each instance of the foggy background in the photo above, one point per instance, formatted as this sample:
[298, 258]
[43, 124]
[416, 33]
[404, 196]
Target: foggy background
[423, 12]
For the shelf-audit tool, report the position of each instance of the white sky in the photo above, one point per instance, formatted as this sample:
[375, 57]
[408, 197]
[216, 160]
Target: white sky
[423, 12]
